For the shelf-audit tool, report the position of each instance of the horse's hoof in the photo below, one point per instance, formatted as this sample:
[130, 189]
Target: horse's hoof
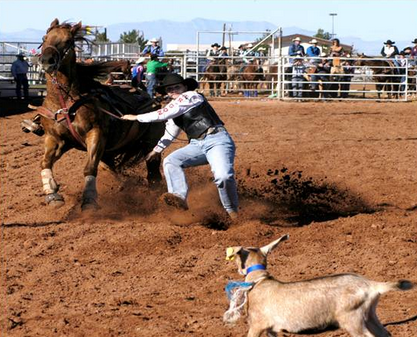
[89, 204]
[54, 200]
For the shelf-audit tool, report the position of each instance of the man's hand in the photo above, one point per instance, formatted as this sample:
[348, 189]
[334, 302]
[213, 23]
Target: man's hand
[153, 155]
[130, 117]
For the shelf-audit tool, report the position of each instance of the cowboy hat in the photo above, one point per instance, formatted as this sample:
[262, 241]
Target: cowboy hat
[261, 48]
[154, 39]
[223, 48]
[389, 42]
[415, 41]
[323, 55]
[172, 79]
[313, 41]
[250, 45]
[215, 45]
[140, 60]
[296, 39]
[21, 54]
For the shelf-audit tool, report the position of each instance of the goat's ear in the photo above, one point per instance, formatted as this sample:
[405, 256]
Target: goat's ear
[231, 252]
[268, 248]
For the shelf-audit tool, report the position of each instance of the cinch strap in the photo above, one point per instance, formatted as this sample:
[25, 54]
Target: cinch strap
[255, 267]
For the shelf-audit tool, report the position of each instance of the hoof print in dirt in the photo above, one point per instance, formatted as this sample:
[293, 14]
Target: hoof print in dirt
[216, 221]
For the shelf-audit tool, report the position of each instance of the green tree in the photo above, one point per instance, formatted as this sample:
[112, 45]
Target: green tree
[102, 37]
[130, 37]
[322, 35]
[142, 42]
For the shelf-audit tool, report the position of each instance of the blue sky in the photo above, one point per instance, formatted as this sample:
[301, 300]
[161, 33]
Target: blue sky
[367, 19]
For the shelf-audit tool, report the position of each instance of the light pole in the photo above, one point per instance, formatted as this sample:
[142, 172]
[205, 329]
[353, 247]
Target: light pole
[333, 15]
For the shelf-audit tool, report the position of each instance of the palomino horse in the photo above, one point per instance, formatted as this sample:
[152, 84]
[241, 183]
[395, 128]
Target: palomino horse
[384, 75]
[215, 74]
[78, 113]
[251, 76]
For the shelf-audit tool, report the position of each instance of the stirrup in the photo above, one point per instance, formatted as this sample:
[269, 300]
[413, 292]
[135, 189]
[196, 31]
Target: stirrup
[30, 126]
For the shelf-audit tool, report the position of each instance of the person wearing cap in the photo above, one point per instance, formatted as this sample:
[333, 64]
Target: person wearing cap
[260, 52]
[138, 71]
[153, 48]
[322, 74]
[152, 68]
[313, 51]
[209, 142]
[20, 68]
[223, 52]
[296, 49]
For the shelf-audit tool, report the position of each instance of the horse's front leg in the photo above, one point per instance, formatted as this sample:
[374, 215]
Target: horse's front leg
[95, 148]
[53, 151]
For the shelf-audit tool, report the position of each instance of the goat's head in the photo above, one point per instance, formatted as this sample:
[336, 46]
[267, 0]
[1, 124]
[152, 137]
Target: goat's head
[247, 257]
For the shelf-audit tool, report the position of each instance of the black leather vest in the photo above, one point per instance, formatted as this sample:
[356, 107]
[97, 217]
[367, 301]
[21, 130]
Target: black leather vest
[198, 119]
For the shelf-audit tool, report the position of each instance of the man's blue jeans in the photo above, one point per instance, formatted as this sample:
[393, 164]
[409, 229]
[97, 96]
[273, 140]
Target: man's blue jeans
[217, 150]
[150, 83]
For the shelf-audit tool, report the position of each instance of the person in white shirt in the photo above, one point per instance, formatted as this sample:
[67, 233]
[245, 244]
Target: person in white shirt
[209, 142]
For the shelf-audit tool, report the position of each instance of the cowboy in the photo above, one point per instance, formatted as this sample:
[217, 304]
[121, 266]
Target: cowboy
[19, 70]
[209, 142]
[138, 72]
[152, 68]
[213, 52]
[390, 51]
[296, 49]
[153, 48]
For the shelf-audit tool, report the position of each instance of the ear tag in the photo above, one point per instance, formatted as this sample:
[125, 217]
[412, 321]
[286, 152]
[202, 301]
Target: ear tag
[230, 254]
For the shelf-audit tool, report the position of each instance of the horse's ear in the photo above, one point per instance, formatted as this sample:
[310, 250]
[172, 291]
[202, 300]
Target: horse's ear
[54, 23]
[76, 28]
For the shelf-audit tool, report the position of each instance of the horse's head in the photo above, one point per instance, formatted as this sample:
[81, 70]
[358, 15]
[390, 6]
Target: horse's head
[59, 43]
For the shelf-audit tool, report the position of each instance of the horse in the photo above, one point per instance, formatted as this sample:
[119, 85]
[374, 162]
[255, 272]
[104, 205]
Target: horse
[251, 74]
[215, 74]
[384, 75]
[81, 113]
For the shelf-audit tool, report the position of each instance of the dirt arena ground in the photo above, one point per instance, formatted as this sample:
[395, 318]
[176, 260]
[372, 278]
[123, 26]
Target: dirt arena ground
[340, 178]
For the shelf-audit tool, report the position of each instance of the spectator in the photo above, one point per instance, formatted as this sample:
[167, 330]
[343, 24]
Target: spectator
[414, 52]
[336, 50]
[261, 52]
[402, 62]
[153, 48]
[348, 71]
[313, 51]
[152, 68]
[20, 69]
[138, 72]
[322, 74]
[296, 49]
[298, 71]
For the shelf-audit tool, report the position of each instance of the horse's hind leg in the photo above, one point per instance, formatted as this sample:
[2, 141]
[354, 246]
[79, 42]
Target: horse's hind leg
[95, 149]
[53, 151]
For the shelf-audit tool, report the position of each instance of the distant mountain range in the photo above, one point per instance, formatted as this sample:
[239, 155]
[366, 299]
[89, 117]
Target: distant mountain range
[173, 32]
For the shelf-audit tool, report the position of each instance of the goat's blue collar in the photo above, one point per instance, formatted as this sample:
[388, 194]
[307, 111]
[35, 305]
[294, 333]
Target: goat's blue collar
[255, 267]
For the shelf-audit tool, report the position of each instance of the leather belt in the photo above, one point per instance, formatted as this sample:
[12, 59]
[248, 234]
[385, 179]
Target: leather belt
[211, 131]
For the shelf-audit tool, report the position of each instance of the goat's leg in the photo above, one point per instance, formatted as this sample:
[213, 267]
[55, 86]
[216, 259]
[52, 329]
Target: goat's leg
[54, 149]
[95, 148]
[373, 323]
[255, 331]
[354, 324]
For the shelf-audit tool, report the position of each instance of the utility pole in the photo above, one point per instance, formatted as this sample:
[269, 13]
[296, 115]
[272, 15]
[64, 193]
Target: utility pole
[333, 15]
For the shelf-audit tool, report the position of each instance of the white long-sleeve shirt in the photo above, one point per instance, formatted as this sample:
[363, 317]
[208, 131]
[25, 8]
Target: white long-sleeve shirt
[175, 108]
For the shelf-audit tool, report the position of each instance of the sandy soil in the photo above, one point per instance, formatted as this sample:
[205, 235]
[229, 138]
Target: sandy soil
[340, 178]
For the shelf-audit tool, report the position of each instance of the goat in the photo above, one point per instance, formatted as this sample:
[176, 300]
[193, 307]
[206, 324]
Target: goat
[347, 301]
